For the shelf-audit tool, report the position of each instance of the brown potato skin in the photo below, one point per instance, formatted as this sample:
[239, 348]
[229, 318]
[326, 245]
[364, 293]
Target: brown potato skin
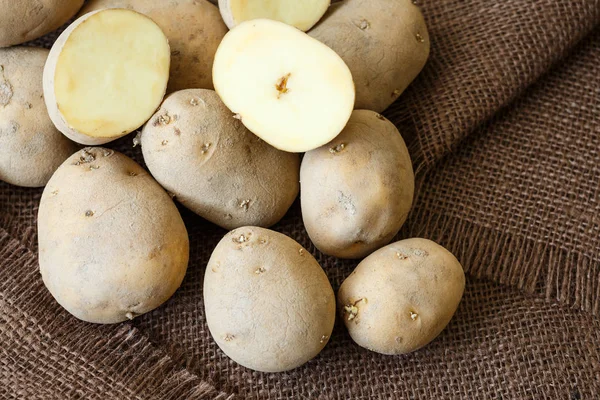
[25, 20]
[31, 148]
[385, 44]
[269, 305]
[357, 190]
[112, 244]
[401, 297]
[198, 151]
[194, 29]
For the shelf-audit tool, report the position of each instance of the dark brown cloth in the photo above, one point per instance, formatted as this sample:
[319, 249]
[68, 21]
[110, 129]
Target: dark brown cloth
[504, 130]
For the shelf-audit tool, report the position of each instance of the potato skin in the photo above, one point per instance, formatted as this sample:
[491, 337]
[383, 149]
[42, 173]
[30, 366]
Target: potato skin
[357, 190]
[216, 167]
[31, 147]
[269, 305]
[194, 29]
[385, 44]
[401, 297]
[25, 20]
[112, 244]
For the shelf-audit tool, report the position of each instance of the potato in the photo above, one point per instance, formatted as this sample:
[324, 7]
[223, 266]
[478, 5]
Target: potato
[401, 297]
[194, 29]
[300, 14]
[292, 91]
[30, 146]
[106, 75]
[112, 244]
[385, 44]
[25, 20]
[356, 191]
[214, 166]
[269, 305]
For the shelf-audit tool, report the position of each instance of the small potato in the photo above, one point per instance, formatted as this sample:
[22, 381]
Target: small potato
[269, 305]
[289, 89]
[112, 244]
[194, 29]
[357, 190]
[214, 166]
[25, 20]
[401, 297]
[106, 75]
[300, 14]
[385, 44]
[31, 148]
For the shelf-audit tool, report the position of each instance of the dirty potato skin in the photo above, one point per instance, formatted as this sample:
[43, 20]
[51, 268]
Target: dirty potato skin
[31, 148]
[385, 44]
[25, 20]
[214, 166]
[269, 305]
[112, 244]
[194, 29]
[401, 297]
[357, 190]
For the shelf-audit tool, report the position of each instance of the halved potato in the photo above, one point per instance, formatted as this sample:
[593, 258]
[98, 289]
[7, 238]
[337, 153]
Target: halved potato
[106, 75]
[292, 91]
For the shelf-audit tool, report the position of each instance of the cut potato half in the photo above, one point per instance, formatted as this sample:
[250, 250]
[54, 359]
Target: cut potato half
[289, 89]
[106, 75]
[303, 14]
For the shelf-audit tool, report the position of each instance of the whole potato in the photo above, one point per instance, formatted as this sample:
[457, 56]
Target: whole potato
[112, 244]
[269, 305]
[216, 167]
[357, 190]
[31, 148]
[194, 29]
[401, 297]
[25, 20]
[385, 44]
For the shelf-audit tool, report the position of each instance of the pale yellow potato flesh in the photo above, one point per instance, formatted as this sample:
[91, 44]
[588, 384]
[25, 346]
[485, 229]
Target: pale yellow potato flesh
[290, 90]
[300, 14]
[106, 75]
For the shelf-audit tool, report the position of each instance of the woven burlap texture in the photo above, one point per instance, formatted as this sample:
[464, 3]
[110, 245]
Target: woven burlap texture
[504, 127]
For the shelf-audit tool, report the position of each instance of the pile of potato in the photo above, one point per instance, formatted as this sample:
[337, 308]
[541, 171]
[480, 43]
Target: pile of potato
[224, 142]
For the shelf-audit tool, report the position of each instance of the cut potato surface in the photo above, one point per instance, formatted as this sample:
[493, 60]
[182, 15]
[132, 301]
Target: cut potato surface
[301, 14]
[292, 91]
[106, 75]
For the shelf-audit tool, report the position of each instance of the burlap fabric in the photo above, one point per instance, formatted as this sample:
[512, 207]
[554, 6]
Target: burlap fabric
[504, 130]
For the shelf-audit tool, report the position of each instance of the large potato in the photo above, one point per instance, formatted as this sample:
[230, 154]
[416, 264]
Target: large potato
[401, 297]
[269, 305]
[194, 29]
[106, 75]
[385, 44]
[25, 20]
[214, 166]
[112, 244]
[289, 89]
[30, 146]
[357, 190]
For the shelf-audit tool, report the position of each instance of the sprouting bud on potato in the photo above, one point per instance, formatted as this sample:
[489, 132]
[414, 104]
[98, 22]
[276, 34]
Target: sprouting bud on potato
[214, 166]
[356, 191]
[106, 75]
[269, 305]
[302, 14]
[25, 20]
[30, 146]
[289, 89]
[112, 244]
[401, 297]
[385, 44]
[194, 29]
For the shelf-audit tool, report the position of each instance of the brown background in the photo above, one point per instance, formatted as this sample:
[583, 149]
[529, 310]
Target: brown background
[504, 130]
